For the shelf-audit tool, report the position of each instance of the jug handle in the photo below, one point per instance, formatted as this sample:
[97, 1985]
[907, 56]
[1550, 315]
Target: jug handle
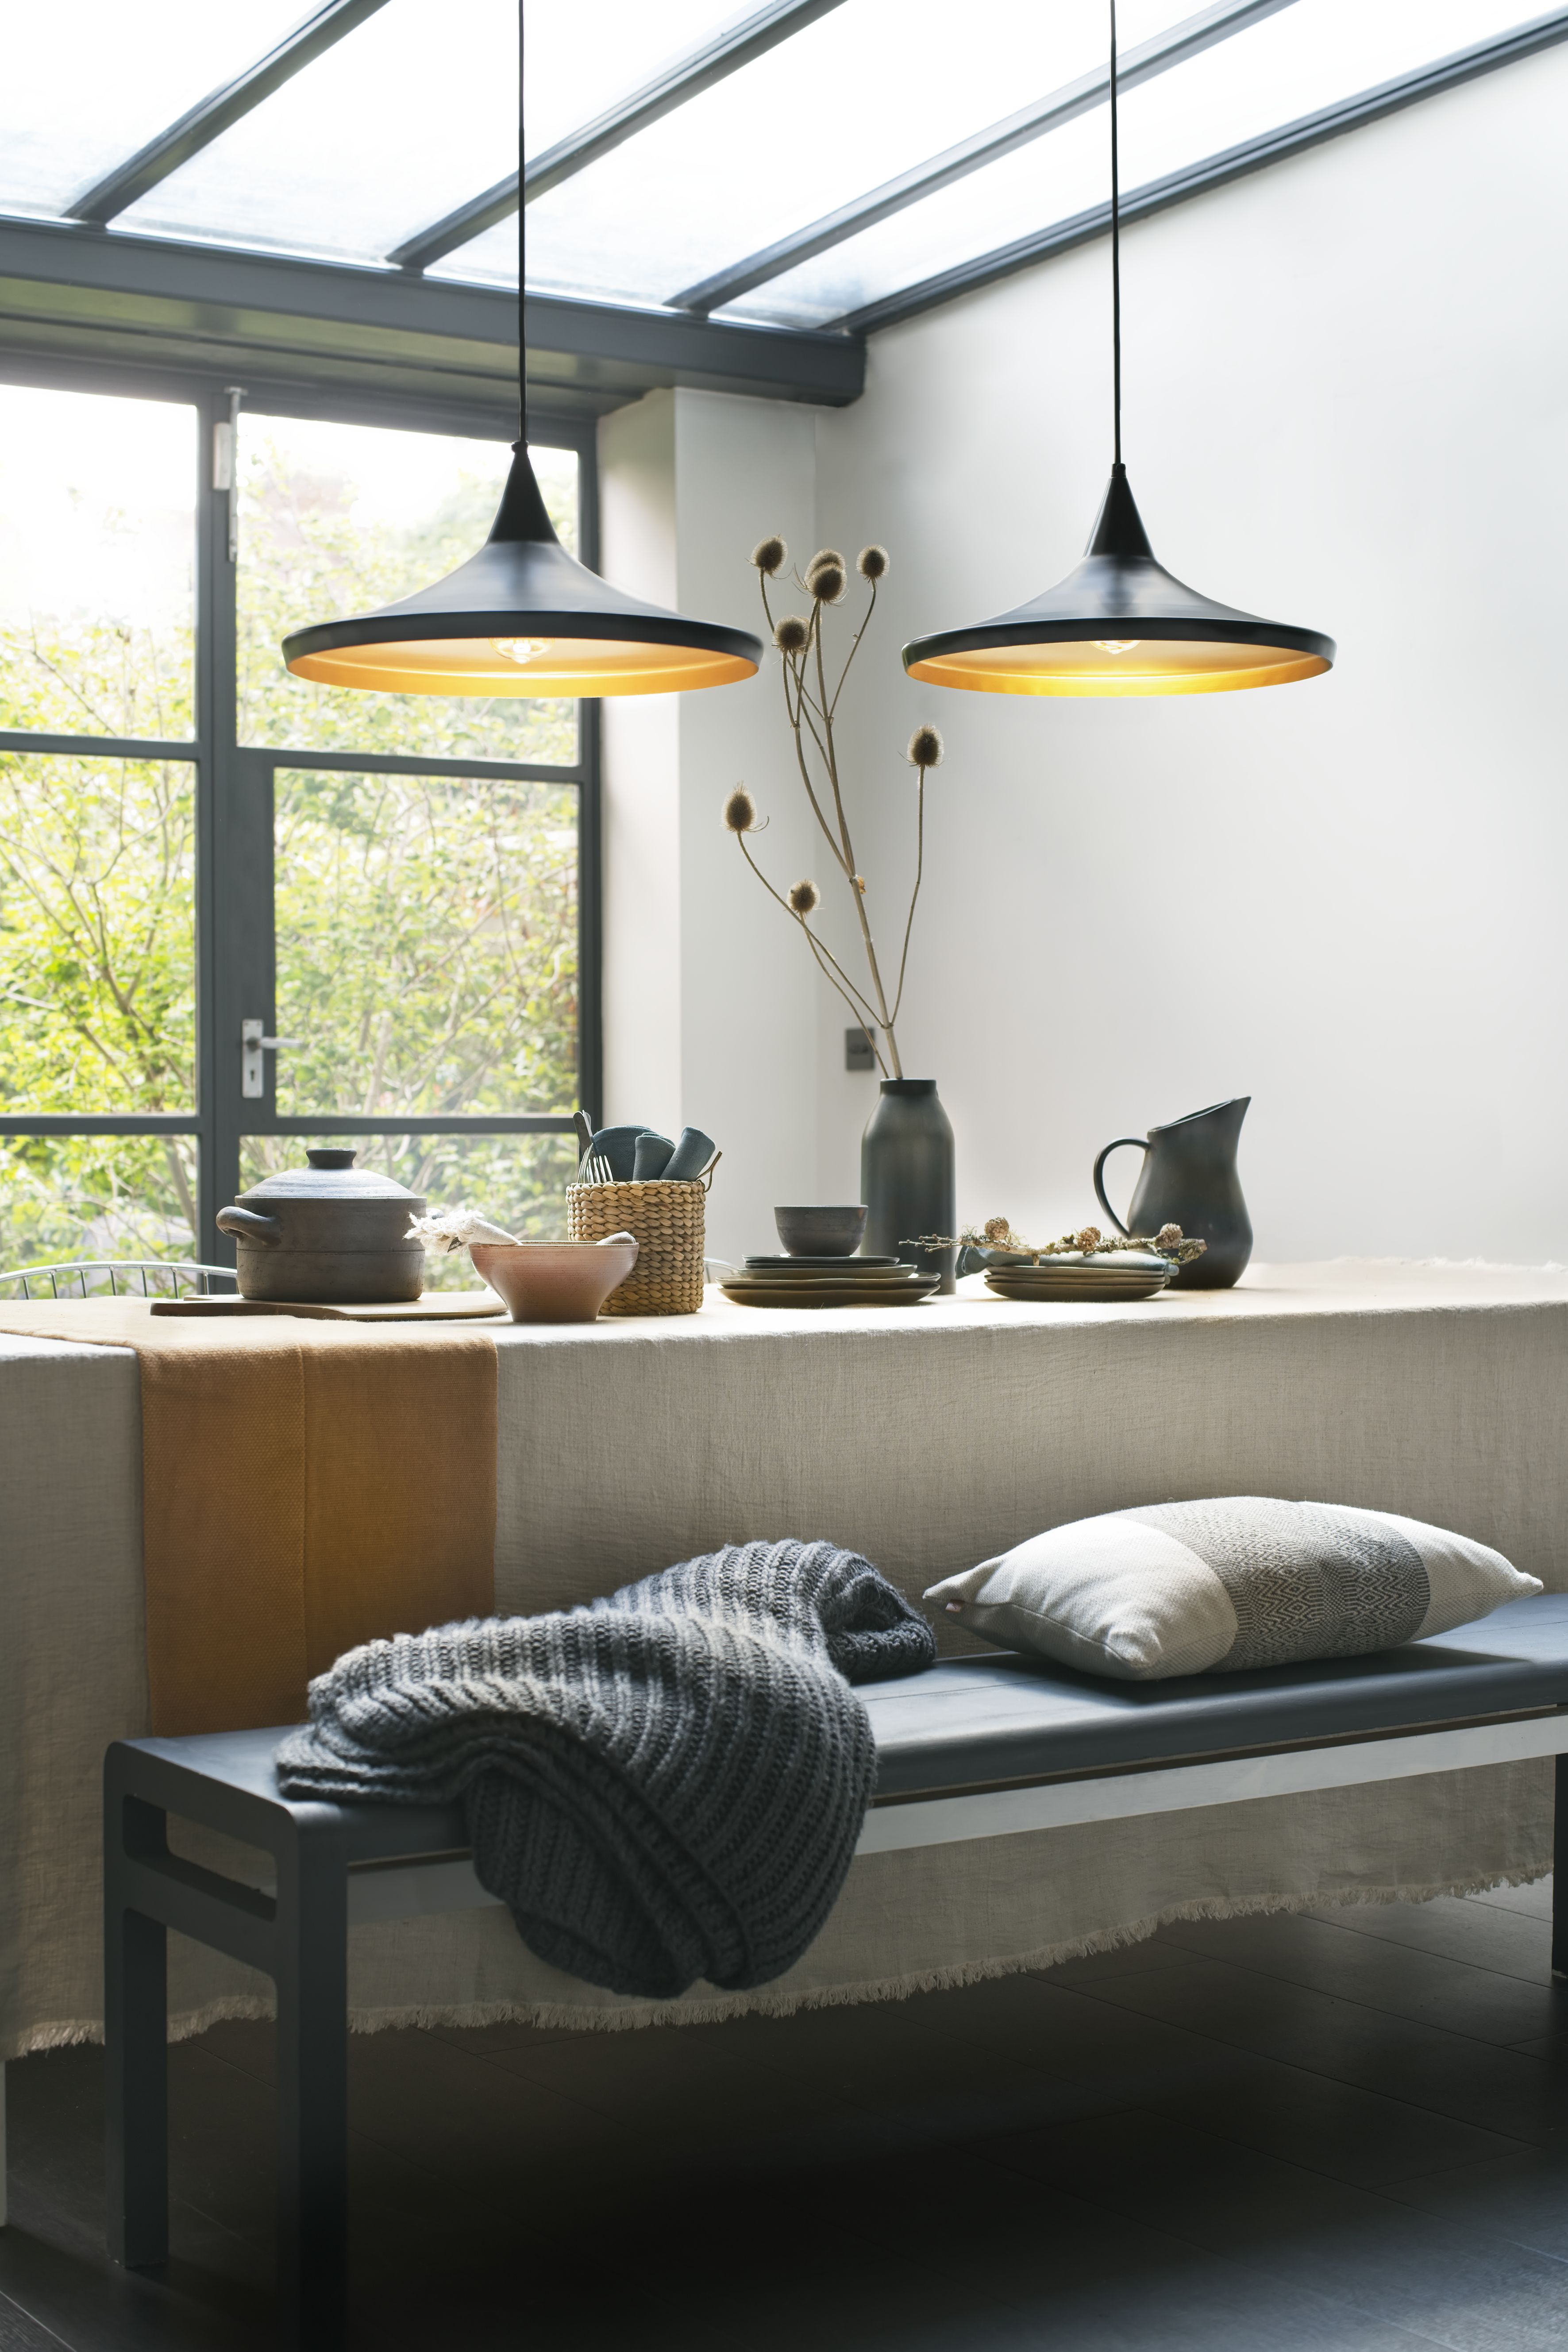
[1140, 1143]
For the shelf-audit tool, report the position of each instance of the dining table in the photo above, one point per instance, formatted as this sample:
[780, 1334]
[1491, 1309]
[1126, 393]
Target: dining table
[929, 1438]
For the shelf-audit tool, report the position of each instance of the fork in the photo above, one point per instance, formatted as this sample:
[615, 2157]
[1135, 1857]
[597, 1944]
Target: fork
[596, 1169]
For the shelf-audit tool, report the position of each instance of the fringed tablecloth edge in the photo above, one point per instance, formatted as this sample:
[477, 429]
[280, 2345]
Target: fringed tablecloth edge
[766, 2001]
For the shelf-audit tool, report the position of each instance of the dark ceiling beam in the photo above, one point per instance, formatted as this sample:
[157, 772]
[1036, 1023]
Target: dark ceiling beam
[458, 228]
[605, 342]
[167, 304]
[1214, 172]
[1172, 48]
[218, 112]
[737, 45]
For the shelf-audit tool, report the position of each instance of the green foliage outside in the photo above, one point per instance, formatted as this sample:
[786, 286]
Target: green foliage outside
[427, 927]
[305, 557]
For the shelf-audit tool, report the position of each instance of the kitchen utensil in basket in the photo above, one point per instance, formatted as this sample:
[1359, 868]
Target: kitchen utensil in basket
[667, 1222]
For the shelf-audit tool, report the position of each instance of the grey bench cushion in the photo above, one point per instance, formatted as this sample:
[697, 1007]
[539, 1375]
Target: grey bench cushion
[975, 1722]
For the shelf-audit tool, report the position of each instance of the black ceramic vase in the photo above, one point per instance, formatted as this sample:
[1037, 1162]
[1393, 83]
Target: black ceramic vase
[1189, 1178]
[907, 1176]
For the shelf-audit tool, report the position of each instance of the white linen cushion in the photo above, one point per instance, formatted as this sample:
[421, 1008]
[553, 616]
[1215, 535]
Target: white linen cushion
[1234, 1581]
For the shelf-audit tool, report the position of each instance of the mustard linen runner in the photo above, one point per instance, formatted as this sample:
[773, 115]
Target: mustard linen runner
[305, 1486]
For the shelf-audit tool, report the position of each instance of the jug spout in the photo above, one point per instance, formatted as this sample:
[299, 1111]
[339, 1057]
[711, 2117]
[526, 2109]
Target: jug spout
[1219, 1120]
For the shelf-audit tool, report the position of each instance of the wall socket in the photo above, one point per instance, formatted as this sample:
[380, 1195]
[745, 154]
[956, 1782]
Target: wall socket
[857, 1054]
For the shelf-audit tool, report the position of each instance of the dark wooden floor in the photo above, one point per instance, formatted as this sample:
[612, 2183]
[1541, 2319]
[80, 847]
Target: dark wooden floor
[1340, 2133]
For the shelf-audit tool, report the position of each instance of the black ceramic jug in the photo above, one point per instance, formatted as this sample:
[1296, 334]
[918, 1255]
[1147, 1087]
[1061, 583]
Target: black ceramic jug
[1189, 1179]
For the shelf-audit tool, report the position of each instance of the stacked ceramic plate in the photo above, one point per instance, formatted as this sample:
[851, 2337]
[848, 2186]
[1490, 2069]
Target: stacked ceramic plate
[1108, 1274]
[829, 1281]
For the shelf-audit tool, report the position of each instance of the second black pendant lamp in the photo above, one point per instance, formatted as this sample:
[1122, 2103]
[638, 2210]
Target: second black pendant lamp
[522, 617]
[1119, 625]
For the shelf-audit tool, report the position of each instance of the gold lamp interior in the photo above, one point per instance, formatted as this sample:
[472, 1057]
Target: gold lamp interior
[535, 666]
[1117, 667]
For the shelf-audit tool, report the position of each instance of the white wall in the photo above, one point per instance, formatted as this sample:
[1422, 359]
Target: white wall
[709, 1004]
[1346, 408]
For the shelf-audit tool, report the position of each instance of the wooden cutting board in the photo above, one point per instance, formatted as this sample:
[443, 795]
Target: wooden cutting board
[437, 1307]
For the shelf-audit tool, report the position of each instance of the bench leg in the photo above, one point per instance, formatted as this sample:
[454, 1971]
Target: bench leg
[1560, 1874]
[135, 2034]
[312, 2099]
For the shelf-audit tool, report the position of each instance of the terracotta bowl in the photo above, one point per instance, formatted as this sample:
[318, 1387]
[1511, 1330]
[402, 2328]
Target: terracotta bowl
[553, 1281]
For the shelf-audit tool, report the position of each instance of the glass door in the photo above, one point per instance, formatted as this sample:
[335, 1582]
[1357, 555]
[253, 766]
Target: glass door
[200, 856]
[420, 963]
[99, 1118]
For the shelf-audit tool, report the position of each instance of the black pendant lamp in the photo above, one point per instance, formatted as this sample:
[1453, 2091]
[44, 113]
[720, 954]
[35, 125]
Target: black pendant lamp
[1120, 624]
[522, 616]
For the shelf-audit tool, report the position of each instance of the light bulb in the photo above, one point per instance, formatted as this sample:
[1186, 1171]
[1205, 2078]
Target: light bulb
[1106, 644]
[519, 649]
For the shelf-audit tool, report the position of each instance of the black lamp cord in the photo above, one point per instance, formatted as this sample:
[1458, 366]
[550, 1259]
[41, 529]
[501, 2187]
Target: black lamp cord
[523, 242]
[523, 250]
[1115, 249]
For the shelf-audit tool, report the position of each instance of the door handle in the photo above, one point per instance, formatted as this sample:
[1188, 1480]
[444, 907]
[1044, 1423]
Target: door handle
[253, 1044]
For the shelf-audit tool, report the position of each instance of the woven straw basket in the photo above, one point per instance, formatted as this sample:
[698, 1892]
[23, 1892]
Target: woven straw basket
[666, 1221]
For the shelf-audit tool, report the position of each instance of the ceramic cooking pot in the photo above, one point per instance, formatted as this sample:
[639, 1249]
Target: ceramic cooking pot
[331, 1234]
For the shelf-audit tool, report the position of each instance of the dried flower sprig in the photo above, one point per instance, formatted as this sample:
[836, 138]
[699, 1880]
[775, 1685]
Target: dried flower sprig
[998, 1232]
[810, 709]
[741, 812]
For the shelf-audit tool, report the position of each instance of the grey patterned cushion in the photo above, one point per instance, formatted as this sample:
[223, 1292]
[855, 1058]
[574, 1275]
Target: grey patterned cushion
[1240, 1581]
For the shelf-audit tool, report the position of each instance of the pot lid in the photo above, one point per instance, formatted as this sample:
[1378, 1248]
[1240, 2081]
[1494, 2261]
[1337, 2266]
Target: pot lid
[331, 1176]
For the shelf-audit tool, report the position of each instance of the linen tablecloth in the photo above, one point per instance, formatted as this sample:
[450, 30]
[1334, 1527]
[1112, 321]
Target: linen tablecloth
[305, 1486]
[927, 1438]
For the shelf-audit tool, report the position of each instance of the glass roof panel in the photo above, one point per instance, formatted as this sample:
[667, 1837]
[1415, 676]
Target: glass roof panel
[582, 60]
[861, 95]
[379, 137]
[390, 129]
[85, 86]
[1307, 56]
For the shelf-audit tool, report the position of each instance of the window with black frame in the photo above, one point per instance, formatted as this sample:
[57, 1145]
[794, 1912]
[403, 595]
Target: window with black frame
[190, 843]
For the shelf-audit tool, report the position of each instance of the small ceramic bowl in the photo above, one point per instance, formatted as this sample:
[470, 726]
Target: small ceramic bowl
[821, 1233]
[553, 1281]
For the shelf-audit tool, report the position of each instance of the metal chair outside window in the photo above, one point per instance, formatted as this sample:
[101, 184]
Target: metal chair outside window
[134, 1278]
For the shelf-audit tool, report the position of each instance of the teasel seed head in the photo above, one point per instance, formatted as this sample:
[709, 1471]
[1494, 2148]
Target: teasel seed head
[823, 556]
[1167, 1237]
[769, 553]
[827, 582]
[804, 898]
[793, 634]
[740, 811]
[998, 1231]
[925, 748]
[1088, 1238]
[872, 562]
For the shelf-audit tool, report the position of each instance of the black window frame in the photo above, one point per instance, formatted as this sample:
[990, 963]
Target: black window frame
[235, 965]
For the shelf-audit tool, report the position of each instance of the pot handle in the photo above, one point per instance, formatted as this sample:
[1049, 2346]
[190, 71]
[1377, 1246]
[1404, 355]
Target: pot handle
[265, 1231]
[1139, 1142]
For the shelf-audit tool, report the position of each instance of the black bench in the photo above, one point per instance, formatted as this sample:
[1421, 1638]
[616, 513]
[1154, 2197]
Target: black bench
[980, 1747]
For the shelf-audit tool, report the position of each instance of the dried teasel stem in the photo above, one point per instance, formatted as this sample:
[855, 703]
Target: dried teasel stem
[810, 710]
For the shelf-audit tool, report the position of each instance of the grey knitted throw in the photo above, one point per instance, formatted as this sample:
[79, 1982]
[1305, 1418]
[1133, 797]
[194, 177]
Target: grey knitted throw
[663, 1786]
